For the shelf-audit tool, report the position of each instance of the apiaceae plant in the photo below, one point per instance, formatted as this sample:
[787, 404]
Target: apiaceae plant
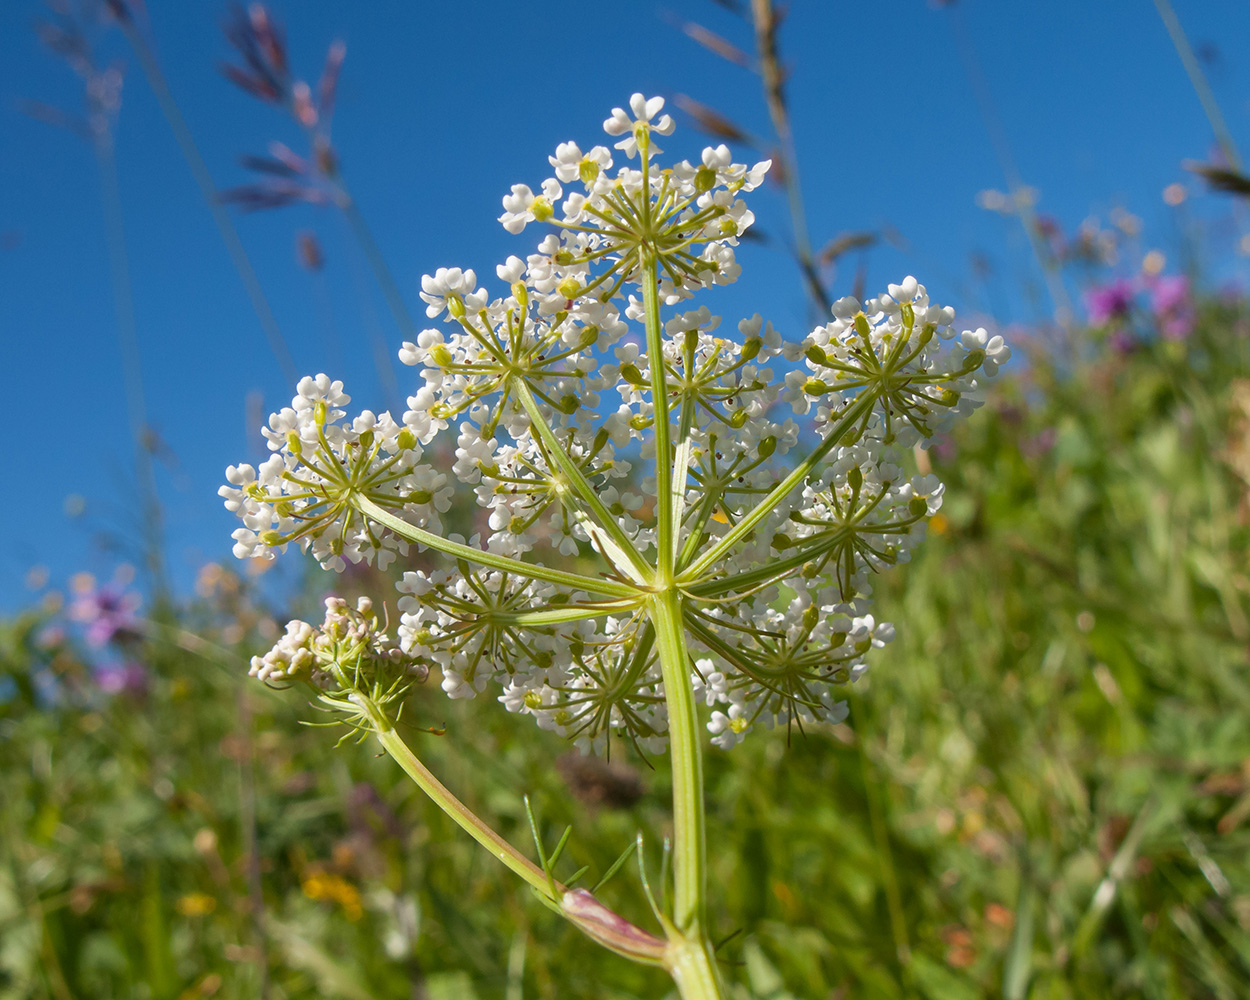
[600, 415]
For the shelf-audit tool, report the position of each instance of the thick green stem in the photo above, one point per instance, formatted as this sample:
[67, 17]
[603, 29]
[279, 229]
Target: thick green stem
[689, 850]
[693, 968]
[480, 557]
[667, 530]
[617, 545]
[849, 419]
[464, 817]
[578, 906]
[690, 958]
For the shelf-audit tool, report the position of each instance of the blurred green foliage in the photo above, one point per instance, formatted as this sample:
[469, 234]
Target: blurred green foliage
[1043, 790]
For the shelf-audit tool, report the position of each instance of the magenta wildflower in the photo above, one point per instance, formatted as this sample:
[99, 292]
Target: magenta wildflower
[1110, 303]
[106, 612]
[1173, 306]
[126, 677]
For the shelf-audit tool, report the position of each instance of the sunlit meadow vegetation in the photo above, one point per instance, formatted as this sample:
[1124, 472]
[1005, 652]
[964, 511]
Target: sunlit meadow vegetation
[1042, 790]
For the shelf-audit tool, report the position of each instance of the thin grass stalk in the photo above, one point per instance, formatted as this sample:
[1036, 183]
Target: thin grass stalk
[132, 369]
[772, 76]
[204, 180]
[1198, 79]
[881, 838]
[1061, 302]
[251, 846]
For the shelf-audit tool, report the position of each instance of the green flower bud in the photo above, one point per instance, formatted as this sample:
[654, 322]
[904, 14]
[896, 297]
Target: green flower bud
[588, 171]
[817, 355]
[704, 179]
[541, 209]
[751, 348]
[420, 496]
[570, 288]
[815, 387]
[293, 444]
[855, 478]
[631, 374]
[455, 306]
[738, 419]
[917, 506]
[782, 542]
[767, 446]
[861, 325]
[320, 413]
[406, 440]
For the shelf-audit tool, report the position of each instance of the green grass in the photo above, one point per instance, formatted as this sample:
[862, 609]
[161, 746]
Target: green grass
[1043, 790]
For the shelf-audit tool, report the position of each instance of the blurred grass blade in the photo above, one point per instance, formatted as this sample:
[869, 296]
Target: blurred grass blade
[1019, 964]
[1105, 894]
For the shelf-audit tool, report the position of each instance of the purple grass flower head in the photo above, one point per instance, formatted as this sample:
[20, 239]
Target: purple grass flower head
[127, 677]
[1173, 306]
[1110, 303]
[1122, 342]
[107, 612]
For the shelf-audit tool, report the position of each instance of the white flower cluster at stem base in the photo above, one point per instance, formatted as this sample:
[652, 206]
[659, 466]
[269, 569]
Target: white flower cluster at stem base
[589, 427]
[347, 659]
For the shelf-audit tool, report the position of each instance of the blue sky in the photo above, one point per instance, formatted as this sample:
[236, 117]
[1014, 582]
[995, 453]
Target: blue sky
[441, 108]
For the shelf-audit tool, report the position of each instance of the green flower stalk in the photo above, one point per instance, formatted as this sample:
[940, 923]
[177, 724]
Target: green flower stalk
[599, 415]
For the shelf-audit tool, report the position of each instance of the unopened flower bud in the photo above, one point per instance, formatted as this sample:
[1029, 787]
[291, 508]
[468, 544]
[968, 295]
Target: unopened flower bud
[541, 209]
[631, 374]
